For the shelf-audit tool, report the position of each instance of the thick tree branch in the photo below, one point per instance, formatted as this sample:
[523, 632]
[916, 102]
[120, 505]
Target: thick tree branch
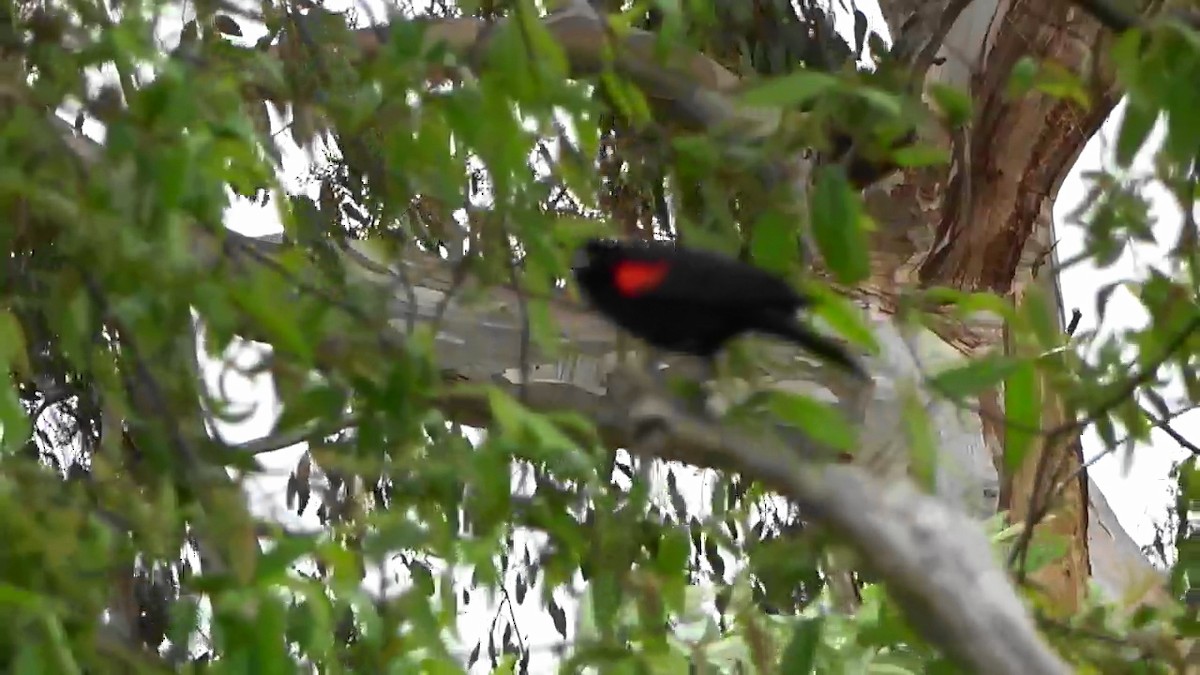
[694, 89]
[930, 556]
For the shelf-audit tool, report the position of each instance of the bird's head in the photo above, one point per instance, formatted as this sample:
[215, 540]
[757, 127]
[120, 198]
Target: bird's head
[594, 254]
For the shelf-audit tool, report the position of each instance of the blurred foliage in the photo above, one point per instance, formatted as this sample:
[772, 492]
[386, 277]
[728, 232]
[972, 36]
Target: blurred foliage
[128, 546]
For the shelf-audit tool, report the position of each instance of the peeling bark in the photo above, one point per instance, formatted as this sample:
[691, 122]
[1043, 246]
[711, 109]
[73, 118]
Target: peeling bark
[990, 220]
[1020, 150]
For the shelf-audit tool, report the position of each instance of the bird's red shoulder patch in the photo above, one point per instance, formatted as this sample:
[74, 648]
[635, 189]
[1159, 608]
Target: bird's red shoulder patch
[634, 277]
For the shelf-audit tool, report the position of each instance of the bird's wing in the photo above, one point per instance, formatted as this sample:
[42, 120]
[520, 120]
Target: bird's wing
[719, 280]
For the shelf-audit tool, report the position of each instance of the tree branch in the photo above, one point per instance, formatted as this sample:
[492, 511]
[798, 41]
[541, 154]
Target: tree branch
[1109, 14]
[930, 556]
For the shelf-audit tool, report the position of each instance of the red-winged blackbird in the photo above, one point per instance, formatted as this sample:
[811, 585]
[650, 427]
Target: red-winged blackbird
[692, 301]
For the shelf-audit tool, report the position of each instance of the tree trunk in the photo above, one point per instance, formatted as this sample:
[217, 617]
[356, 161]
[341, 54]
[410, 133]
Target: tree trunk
[991, 224]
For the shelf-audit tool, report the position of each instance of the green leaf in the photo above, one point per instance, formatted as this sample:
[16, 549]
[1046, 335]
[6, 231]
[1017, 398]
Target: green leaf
[667, 662]
[882, 100]
[15, 425]
[790, 90]
[1057, 81]
[542, 328]
[773, 244]
[14, 596]
[547, 55]
[1136, 125]
[606, 599]
[1183, 122]
[627, 99]
[318, 641]
[548, 435]
[422, 578]
[29, 659]
[1022, 414]
[1126, 56]
[536, 435]
[800, 655]
[671, 562]
[921, 441]
[13, 353]
[837, 227]
[968, 304]
[820, 420]
[270, 625]
[264, 299]
[506, 412]
[920, 155]
[1023, 75]
[1041, 317]
[842, 316]
[1045, 549]
[954, 103]
[974, 376]
[275, 562]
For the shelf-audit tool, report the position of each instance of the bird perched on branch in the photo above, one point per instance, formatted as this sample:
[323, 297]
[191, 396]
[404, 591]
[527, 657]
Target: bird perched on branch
[691, 301]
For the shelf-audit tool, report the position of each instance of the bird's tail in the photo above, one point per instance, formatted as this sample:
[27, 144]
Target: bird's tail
[788, 328]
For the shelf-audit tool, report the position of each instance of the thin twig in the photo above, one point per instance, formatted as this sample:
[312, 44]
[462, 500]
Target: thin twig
[1165, 425]
[272, 443]
[1131, 386]
[157, 398]
[523, 312]
[1159, 423]
[458, 277]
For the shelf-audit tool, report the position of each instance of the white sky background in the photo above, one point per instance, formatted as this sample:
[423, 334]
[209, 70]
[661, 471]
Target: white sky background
[1139, 497]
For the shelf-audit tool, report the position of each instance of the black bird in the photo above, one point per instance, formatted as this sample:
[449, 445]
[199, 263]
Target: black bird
[692, 301]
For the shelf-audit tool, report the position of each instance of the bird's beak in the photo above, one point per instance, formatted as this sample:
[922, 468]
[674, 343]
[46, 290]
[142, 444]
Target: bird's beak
[579, 260]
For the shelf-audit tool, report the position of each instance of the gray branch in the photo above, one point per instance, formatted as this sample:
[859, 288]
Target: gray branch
[936, 561]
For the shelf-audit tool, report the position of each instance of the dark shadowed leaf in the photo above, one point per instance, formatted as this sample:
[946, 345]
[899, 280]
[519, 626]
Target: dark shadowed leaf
[712, 553]
[558, 617]
[226, 24]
